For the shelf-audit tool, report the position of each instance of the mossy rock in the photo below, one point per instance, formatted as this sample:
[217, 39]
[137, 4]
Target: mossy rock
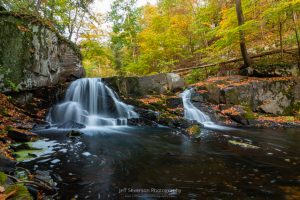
[21, 192]
[194, 130]
[213, 93]
[160, 106]
[274, 70]
[231, 96]
[3, 178]
[249, 114]
[32, 53]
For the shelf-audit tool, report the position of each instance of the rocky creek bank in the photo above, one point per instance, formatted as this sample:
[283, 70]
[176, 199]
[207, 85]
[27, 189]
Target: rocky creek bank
[36, 66]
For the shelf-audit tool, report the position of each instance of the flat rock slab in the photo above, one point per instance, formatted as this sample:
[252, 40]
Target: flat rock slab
[19, 135]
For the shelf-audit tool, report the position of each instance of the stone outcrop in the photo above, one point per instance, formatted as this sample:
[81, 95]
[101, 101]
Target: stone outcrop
[33, 55]
[146, 85]
[274, 70]
[278, 96]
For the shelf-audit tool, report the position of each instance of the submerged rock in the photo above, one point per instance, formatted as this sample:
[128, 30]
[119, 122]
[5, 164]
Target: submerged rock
[194, 130]
[147, 114]
[74, 134]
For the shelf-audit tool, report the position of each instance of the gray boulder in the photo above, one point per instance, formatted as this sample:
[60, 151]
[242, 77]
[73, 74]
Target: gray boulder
[147, 85]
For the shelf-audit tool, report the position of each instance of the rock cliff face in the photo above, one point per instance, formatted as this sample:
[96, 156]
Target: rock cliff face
[32, 55]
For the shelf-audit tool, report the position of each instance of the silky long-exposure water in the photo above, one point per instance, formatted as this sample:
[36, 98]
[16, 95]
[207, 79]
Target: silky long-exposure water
[110, 161]
[106, 164]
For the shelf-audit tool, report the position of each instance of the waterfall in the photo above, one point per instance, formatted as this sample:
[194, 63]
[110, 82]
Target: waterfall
[90, 102]
[190, 111]
[193, 113]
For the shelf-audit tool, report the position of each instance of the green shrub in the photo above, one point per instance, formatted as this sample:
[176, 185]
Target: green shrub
[201, 74]
[3, 178]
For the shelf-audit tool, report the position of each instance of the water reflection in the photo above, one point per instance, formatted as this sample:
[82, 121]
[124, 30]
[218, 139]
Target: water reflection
[216, 165]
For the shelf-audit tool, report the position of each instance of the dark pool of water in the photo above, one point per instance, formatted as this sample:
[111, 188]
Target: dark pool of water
[240, 164]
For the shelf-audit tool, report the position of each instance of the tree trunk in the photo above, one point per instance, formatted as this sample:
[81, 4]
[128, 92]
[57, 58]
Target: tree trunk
[280, 35]
[240, 17]
[38, 5]
[296, 32]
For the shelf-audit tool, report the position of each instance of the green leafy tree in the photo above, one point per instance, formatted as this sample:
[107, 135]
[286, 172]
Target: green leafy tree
[124, 16]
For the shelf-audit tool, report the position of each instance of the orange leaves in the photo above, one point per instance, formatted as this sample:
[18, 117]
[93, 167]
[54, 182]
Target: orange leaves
[231, 111]
[202, 91]
[150, 100]
[279, 119]
[236, 80]
[198, 84]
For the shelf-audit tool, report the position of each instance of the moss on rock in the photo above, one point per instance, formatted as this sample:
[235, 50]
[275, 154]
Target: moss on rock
[194, 130]
[33, 54]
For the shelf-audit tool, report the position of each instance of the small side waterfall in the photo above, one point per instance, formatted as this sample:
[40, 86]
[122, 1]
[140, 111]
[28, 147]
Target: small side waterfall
[190, 111]
[90, 102]
[193, 113]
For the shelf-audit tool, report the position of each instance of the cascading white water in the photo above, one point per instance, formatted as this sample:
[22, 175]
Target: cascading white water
[193, 113]
[190, 111]
[90, 102]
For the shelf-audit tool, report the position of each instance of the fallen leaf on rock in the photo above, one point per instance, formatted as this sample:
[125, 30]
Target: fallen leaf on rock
[2, 189]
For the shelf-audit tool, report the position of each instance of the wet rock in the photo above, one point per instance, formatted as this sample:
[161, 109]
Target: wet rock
[141, 122]
[20, 147]
[45, 177]
[32, 155]
[72, 125]
[237, 114]
[34, 192]
[41, 125]
[6, 165]
[22, 174]
[174, 102]
[4, 140]
[199, 96]
[194, 130]
[74, 134]
[178, 122]
[19, 135]
[147, 114]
